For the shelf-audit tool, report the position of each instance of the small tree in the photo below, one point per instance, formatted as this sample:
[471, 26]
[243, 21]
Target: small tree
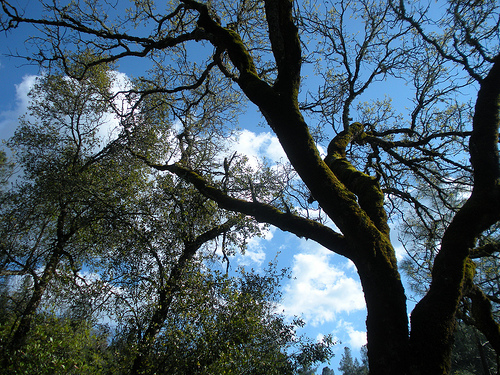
[224, 325]
[351, 366]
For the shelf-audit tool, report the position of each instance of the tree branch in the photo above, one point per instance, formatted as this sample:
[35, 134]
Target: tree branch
[262, 212]
[285, 43]
[366, 188]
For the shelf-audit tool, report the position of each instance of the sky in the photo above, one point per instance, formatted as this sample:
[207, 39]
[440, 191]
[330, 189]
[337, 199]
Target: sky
[324, 288]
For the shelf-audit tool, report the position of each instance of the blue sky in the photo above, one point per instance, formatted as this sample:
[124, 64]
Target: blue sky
[324, 289]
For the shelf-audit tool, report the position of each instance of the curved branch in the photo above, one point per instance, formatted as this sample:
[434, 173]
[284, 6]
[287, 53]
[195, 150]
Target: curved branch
[262, 212]
[226, 39]
[366, 188]
[191, 246]
[142, 46]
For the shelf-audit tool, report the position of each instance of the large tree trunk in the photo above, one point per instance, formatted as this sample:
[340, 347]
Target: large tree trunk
[369, 245]
[387, 319]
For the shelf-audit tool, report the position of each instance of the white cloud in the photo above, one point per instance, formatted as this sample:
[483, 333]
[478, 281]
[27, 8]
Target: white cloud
[255, 253]
[400, 252]
[110, 128]
[322, 150]
[9, 119]
[268, 233]
[319, 290]
[258, 146]
[274, 149]
[356, 338]
[22, 91]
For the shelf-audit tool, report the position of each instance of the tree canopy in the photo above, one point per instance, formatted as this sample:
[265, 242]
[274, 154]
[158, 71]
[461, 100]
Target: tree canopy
[431, 163]
[89, 234]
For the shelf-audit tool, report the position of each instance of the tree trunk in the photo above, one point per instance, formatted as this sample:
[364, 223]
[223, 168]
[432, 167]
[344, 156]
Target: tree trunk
[18, 338]
[154, 327]
[433, 319]
[387, 319]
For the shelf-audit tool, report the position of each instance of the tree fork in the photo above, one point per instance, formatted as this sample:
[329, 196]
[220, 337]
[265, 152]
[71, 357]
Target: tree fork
[366, 188]
[386, 302]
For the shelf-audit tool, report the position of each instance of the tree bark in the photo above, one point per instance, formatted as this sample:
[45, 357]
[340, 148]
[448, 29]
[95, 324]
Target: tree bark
[19, 336]
[433, 319]
[387, 319]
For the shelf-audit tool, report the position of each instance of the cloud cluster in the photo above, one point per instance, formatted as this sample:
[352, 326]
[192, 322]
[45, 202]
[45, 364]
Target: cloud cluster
[10, 119]
[320, 290]
[356, 338]
[257, 146]
[255, 253]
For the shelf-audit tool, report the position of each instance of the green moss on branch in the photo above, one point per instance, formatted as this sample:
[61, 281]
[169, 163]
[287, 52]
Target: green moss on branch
[366, 188]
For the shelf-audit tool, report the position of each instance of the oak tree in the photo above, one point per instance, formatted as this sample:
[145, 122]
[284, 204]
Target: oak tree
[199, 54]
[69, 191]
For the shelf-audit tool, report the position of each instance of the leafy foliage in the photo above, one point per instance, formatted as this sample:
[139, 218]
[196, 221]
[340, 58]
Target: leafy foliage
[90, 234]
[58, 346]
[222, 325]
